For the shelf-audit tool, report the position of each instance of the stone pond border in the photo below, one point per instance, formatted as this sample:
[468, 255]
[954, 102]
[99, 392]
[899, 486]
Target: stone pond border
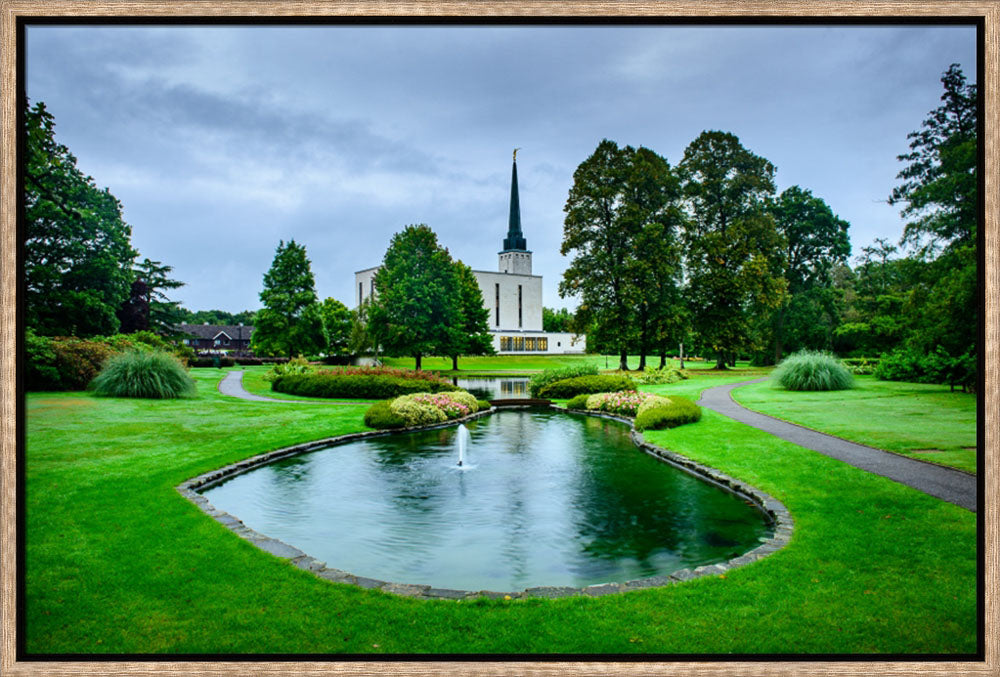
[773, 510]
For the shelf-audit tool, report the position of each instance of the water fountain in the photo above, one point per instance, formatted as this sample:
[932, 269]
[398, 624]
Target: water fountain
[461, 439]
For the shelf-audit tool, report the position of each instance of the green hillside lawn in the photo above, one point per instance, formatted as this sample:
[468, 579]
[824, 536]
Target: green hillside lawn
[928, 422]
[118, 562]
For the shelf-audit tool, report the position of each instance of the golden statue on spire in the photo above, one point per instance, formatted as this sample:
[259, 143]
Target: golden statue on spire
[515, 154]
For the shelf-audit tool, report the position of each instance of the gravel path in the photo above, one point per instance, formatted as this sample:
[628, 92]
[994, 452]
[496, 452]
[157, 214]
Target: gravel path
[232, 385]
[948, 484]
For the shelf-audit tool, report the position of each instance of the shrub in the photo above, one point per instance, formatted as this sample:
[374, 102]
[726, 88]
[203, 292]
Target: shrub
[624, 403]
[147, 374]
[659, 376]
[809, 370]
[571, 387]
[539, 381]
[578, 402]
[861, 366]
[416, 412]
[216, 361]
[297, 365]
[40, 371]
[338, 383]
[652, 402]
[935, 367]
[483, 405]
[78, 361]
[680, 411]
[381, 417]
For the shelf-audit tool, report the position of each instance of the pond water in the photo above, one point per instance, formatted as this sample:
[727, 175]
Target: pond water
[543, 498]
[495, 387]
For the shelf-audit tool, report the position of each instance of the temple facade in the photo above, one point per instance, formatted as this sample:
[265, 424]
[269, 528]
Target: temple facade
[511, 294]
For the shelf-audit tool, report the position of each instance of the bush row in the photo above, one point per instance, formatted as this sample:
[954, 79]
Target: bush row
[936, 367]
[362, 386]
[70, 363]
[229, 361]
[658, 376]
[539, 381]
[571, 387]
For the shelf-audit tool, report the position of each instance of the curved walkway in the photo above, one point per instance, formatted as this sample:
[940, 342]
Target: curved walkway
[232, 385]
[950, 485]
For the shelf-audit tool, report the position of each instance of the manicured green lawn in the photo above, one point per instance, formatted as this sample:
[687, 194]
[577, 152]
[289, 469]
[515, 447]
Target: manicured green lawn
[923, 421]
[117, 561]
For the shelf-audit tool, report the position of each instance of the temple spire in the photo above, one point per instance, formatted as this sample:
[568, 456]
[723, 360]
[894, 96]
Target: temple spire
[515, 238]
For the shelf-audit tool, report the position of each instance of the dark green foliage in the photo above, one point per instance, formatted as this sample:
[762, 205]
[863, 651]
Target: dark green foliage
[144, 374]
[291, 322]
[809, 370]
[557, 320]
[220, 317]
[343, 384]
[571, 387]
[472, 334]
[578, 402]
[542, 379]
[40, 371]
[380, 416]
[734, 252]
[621, 227]
[337, 320]
[77, 250]
[417, 310]
[934, 367]
[681, 410]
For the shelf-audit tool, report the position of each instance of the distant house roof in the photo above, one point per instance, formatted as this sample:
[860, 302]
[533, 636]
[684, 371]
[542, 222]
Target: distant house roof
[212, 331]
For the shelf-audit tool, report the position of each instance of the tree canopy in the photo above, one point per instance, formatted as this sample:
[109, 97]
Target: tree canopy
[291, 321]
[417, 306]
[734, 259]
[77, 249]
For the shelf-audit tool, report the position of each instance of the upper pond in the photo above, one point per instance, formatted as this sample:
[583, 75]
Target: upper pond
[544, 498]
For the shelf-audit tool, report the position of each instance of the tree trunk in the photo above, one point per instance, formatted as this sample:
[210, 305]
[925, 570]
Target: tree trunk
[642, 360]
[623, 360]
[720, 361]
[663, 358]
[732, 359]
[454, 362]
[418, 356]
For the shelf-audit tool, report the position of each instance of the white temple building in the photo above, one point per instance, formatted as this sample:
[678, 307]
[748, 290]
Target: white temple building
[512, 295]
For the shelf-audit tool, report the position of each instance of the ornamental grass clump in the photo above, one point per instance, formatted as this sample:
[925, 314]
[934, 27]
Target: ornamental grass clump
[808, 370]
[143, 374]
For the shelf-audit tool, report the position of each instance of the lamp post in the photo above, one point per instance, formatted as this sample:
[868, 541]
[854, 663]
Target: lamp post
[240, 351]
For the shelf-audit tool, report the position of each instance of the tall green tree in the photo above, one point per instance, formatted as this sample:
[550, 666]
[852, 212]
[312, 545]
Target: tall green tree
[417, 306]
[940, 192]
[621, 217]
[651, 210]
[164, 314]
[77, 247]
[734, 258]
[338, 320]
[291, 321]
[815, 241]
[471, 336]
[560, 320]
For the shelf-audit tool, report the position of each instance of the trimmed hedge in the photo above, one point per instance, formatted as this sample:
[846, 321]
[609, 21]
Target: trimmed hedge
[359, 386]
[681, 410]
[578, 402]
[935, 367]
[571, 387]
[539, 381]
[808, 370]
[381, 417]
[144, 374]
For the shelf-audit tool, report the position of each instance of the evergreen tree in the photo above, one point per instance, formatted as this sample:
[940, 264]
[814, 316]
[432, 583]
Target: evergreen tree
[291, 321]
[734, 252]
[163, 315]
[417, 306]
[77, 250]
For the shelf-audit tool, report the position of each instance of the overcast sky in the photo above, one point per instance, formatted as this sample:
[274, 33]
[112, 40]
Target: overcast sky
[220, 141]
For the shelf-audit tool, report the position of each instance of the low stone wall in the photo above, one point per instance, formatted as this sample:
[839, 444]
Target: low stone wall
[774, 511]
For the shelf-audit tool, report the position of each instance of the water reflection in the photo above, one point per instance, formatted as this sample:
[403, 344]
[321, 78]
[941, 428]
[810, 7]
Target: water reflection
[550, 499]
[495, 387]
